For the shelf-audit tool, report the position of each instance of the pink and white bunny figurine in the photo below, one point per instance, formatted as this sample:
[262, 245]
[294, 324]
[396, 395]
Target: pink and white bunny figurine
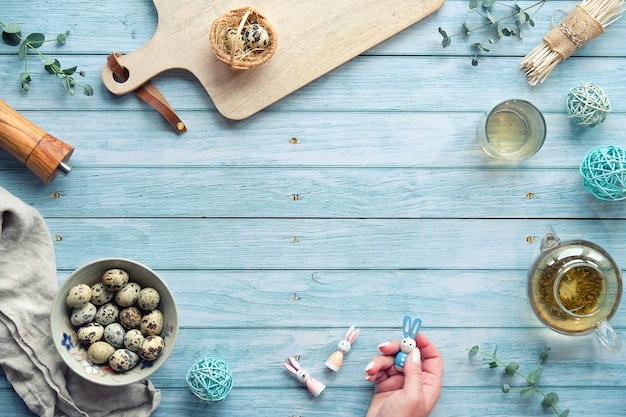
[408, 343]
[336, 359]
[314, 386]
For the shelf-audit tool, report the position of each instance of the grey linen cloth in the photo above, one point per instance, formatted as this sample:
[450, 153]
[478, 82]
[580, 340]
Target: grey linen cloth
[28, 284]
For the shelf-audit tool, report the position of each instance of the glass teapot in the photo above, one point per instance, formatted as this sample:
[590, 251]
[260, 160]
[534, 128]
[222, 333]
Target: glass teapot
[575, 287]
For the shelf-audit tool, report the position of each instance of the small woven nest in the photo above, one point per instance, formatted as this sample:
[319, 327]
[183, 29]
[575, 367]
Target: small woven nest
[230, 34]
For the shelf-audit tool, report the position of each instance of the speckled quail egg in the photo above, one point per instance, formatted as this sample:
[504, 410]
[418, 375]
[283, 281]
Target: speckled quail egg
[100, 352]
[114, 335]
[114, 279]
[78, 295]
[128, 294]
[107, 314]
[149, 299]
[90, 332]
[257, 37]
[152, 323]
[130, 318]
[233, 41]
[133, 339]
[123, 359]
[83, 314]
[151, 348]
[100, 295]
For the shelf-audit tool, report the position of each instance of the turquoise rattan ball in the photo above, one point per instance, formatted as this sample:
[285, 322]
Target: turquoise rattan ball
[604, 173]
[210, 379]
[587, 105]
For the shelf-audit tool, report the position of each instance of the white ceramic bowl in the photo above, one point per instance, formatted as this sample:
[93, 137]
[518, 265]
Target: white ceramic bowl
[74, 353]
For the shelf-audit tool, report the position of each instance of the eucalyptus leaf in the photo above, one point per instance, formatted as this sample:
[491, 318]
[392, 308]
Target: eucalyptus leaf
[87, 90]
[10, 38]
[23, 50]
[446, 41]
[550, 400]
[564, 413]
[35, 40]
[511, 368]
[25, 77]
[535, 375]
[69, 71]
[61, 38]
[473, 351]
[488, 3]
[506, 388]
[54, 67]
[12, 28]
[473, 4]
[527, 392]
[67, 84]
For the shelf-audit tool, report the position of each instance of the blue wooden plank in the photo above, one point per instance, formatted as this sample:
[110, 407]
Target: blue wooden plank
[241, 244]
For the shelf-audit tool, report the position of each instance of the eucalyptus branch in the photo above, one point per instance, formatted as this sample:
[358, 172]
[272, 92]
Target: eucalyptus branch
[12, 36]
[496, 27]
[511, 369]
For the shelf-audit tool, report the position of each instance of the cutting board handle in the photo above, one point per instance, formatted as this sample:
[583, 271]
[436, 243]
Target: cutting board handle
[141, 66]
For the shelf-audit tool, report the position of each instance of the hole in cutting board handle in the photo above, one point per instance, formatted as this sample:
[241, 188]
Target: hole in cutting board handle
[121, 76]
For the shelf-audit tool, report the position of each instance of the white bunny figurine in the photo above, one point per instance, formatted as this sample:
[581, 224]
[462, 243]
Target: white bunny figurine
[408, 343]
[314, 386]
[336, 359]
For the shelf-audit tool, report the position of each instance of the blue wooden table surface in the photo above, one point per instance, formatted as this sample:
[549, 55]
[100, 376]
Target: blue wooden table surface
[355, 200]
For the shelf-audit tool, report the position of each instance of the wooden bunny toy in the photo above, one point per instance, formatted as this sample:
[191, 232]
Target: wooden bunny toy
[408, 343]
[314, 386]
[336, 359]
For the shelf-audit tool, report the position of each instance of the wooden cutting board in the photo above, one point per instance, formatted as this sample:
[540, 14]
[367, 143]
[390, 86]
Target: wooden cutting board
[314, 37]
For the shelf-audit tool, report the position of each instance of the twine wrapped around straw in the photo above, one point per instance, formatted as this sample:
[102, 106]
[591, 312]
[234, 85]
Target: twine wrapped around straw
[586, 22]
[230, 35]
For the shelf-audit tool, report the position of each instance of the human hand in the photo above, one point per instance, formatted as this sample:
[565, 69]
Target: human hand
[413, 393]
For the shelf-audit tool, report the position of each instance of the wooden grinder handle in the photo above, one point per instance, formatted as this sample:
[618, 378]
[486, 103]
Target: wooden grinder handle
[41, 152]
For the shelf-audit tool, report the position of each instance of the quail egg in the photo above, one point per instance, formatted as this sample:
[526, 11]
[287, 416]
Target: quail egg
[100, 352]
[78, 295]
[152, 323]
[123, 359]
[151, 348]
[257, 37]
[83, 314]
[114, 335]
[128, 294]
[90, 332]
[114, 279]
[133, 339]
[149, 299]
[232, 41]
[100, 295]
[130, 318]
[107, 314]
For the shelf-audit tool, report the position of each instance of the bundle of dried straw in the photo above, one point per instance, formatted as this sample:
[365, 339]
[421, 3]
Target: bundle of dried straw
[586, 22]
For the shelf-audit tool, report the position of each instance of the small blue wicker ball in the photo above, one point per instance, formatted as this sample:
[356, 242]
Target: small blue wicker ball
[587, 105]
[210, 379]
[604, 173]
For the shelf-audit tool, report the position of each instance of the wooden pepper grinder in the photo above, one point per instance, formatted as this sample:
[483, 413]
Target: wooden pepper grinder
[41, 152]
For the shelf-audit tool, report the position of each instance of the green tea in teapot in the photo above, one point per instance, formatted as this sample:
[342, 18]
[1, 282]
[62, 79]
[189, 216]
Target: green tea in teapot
[581, 290]
[573, 286]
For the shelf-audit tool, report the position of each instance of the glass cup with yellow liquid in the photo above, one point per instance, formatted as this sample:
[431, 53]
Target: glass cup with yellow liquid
[575, 287]
[513, 130]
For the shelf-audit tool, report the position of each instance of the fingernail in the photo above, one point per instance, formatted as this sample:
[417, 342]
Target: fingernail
[382, 345]
[416, 356]
[370, 366]
[368, 376]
